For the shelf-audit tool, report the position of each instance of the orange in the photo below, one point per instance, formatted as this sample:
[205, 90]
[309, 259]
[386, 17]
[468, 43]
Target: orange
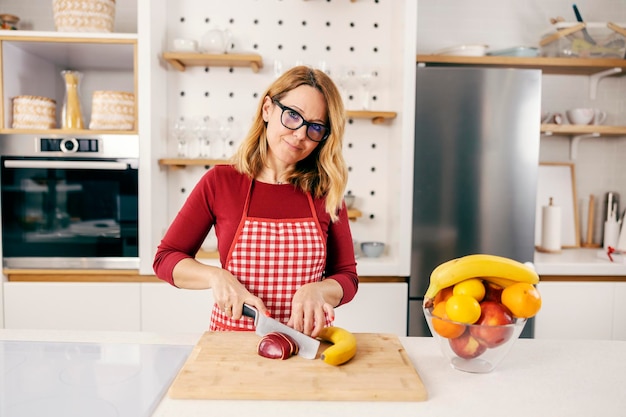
[444, 327]
[443, 295]
[463, 308]
[522, 299]
[473, 287]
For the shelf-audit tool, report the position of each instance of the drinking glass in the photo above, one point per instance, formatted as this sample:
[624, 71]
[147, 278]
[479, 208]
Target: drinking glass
[368, 79]
[278, 68]
[201, 132]
[225, 131]
[347, 82]
[179, 131]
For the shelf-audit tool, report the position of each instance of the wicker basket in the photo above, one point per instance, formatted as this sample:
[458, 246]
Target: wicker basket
[84, 15]
[112, 110]
[34, 112]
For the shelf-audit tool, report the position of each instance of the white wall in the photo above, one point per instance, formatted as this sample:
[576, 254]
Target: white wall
[503, 24]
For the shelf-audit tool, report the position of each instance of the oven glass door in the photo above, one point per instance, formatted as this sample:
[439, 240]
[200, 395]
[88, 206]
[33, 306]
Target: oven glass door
[69, 208]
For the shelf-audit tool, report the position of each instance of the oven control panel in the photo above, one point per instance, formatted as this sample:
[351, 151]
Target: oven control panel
[68, 145]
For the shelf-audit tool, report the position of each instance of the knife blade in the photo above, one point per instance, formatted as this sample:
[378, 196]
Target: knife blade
[307, 346]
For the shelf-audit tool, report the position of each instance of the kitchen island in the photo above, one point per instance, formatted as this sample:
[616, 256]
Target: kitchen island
[538, 378]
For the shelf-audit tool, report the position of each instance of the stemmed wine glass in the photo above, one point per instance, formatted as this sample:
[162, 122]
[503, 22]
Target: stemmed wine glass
[201, 132]
[346, 80]
[179, 131]
[368, 77]
[225, 131]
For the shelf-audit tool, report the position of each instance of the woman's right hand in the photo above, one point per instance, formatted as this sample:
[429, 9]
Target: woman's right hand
[230, 295]
[228, 292]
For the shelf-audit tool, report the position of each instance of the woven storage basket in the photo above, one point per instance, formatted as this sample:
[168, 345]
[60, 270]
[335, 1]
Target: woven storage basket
[34, 112]
[112, 110]
[84, 15]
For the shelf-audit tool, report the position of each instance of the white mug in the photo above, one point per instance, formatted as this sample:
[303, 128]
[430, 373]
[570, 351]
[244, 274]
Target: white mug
[599, 117]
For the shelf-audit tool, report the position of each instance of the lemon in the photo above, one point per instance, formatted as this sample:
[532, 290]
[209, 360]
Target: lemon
[463, 308]
[473, 287]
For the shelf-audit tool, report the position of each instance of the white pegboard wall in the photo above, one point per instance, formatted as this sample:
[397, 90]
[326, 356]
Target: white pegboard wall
[339, 33]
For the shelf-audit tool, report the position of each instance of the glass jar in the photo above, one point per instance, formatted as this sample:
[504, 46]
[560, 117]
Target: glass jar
[72, 114]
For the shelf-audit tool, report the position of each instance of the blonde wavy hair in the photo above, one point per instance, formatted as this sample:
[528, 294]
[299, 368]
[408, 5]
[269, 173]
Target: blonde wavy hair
[323, 173]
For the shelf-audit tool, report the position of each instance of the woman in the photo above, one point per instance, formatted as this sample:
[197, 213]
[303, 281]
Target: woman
[278, 212]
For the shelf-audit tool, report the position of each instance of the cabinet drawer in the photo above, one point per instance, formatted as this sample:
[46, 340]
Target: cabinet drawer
[72, 306]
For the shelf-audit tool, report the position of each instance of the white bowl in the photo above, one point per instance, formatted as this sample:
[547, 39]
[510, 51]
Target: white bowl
[580, 116]
[464, 50]
[349, 199]
[372, 249]
[185, 45]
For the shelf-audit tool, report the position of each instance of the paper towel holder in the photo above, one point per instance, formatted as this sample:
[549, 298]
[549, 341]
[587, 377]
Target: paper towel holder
[544, 247]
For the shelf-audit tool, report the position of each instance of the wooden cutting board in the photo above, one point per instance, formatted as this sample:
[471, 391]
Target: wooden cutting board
[225, 365]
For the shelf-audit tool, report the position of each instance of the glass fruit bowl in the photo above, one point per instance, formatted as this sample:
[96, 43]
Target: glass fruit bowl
[473, 347]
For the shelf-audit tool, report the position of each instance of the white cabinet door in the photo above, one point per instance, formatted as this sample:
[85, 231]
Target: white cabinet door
[1, 305]
[165, 308]
[575, 310]
[72, 306]
[376, 308]
[619, 315]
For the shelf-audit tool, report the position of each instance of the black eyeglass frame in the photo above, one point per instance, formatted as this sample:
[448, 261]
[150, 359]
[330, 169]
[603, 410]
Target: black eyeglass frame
[304, 122]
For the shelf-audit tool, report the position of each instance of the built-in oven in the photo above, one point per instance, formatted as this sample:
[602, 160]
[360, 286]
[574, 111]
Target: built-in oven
[69, 202]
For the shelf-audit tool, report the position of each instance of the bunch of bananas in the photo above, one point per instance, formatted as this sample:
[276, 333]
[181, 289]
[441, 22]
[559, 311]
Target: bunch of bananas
[496, 269]
[343, 348]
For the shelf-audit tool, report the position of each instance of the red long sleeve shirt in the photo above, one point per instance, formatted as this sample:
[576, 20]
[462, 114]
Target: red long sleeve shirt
[218, 201]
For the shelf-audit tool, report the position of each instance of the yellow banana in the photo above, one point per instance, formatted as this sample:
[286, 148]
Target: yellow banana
[502, 282]
[490, 267]
[343, 348]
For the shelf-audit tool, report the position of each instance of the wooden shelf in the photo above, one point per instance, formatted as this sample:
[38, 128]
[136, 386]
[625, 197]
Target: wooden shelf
[377, 117]
[65, 132]
[573, 130]
[184, 162]
[354, 214]
[182, 60]
[81, 51]
[572, 66]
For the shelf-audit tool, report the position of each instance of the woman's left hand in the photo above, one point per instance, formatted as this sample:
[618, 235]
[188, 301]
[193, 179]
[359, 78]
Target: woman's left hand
[309, 307]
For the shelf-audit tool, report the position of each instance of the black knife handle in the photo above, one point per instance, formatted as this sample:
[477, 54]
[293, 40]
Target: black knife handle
[249, 311]
[586, 34]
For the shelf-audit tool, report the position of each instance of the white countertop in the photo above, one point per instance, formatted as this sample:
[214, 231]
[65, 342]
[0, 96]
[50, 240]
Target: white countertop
[538, 378]
[578, 261]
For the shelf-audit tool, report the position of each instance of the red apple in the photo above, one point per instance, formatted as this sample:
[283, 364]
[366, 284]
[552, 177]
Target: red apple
[466, 346]
[493, 292]
[490, 330]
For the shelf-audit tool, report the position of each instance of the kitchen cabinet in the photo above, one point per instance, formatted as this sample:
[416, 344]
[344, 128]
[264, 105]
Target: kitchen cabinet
[31, 62]
[159, 307]
[1, 305]
[165, 308]
[72, 306]
[378, 307]
[582, 310]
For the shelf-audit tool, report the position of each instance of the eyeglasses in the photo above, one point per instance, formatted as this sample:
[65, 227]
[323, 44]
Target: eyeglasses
[293, 120]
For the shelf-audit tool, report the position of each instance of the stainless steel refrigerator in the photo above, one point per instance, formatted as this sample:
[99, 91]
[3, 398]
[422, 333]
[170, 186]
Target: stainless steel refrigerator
[475, 173]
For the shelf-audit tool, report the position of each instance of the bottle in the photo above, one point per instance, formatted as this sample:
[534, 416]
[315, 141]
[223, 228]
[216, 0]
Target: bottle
[72, 114]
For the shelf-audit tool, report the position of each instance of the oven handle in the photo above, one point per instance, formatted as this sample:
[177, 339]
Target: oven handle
[106, 165]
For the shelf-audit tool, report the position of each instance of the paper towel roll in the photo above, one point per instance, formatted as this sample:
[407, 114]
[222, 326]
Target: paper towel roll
[551, 228]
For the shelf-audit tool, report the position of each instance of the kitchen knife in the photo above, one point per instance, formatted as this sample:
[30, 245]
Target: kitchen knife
[579, 17]
[307, 346]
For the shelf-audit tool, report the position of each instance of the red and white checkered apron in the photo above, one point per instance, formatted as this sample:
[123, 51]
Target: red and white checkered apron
[273, 258]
